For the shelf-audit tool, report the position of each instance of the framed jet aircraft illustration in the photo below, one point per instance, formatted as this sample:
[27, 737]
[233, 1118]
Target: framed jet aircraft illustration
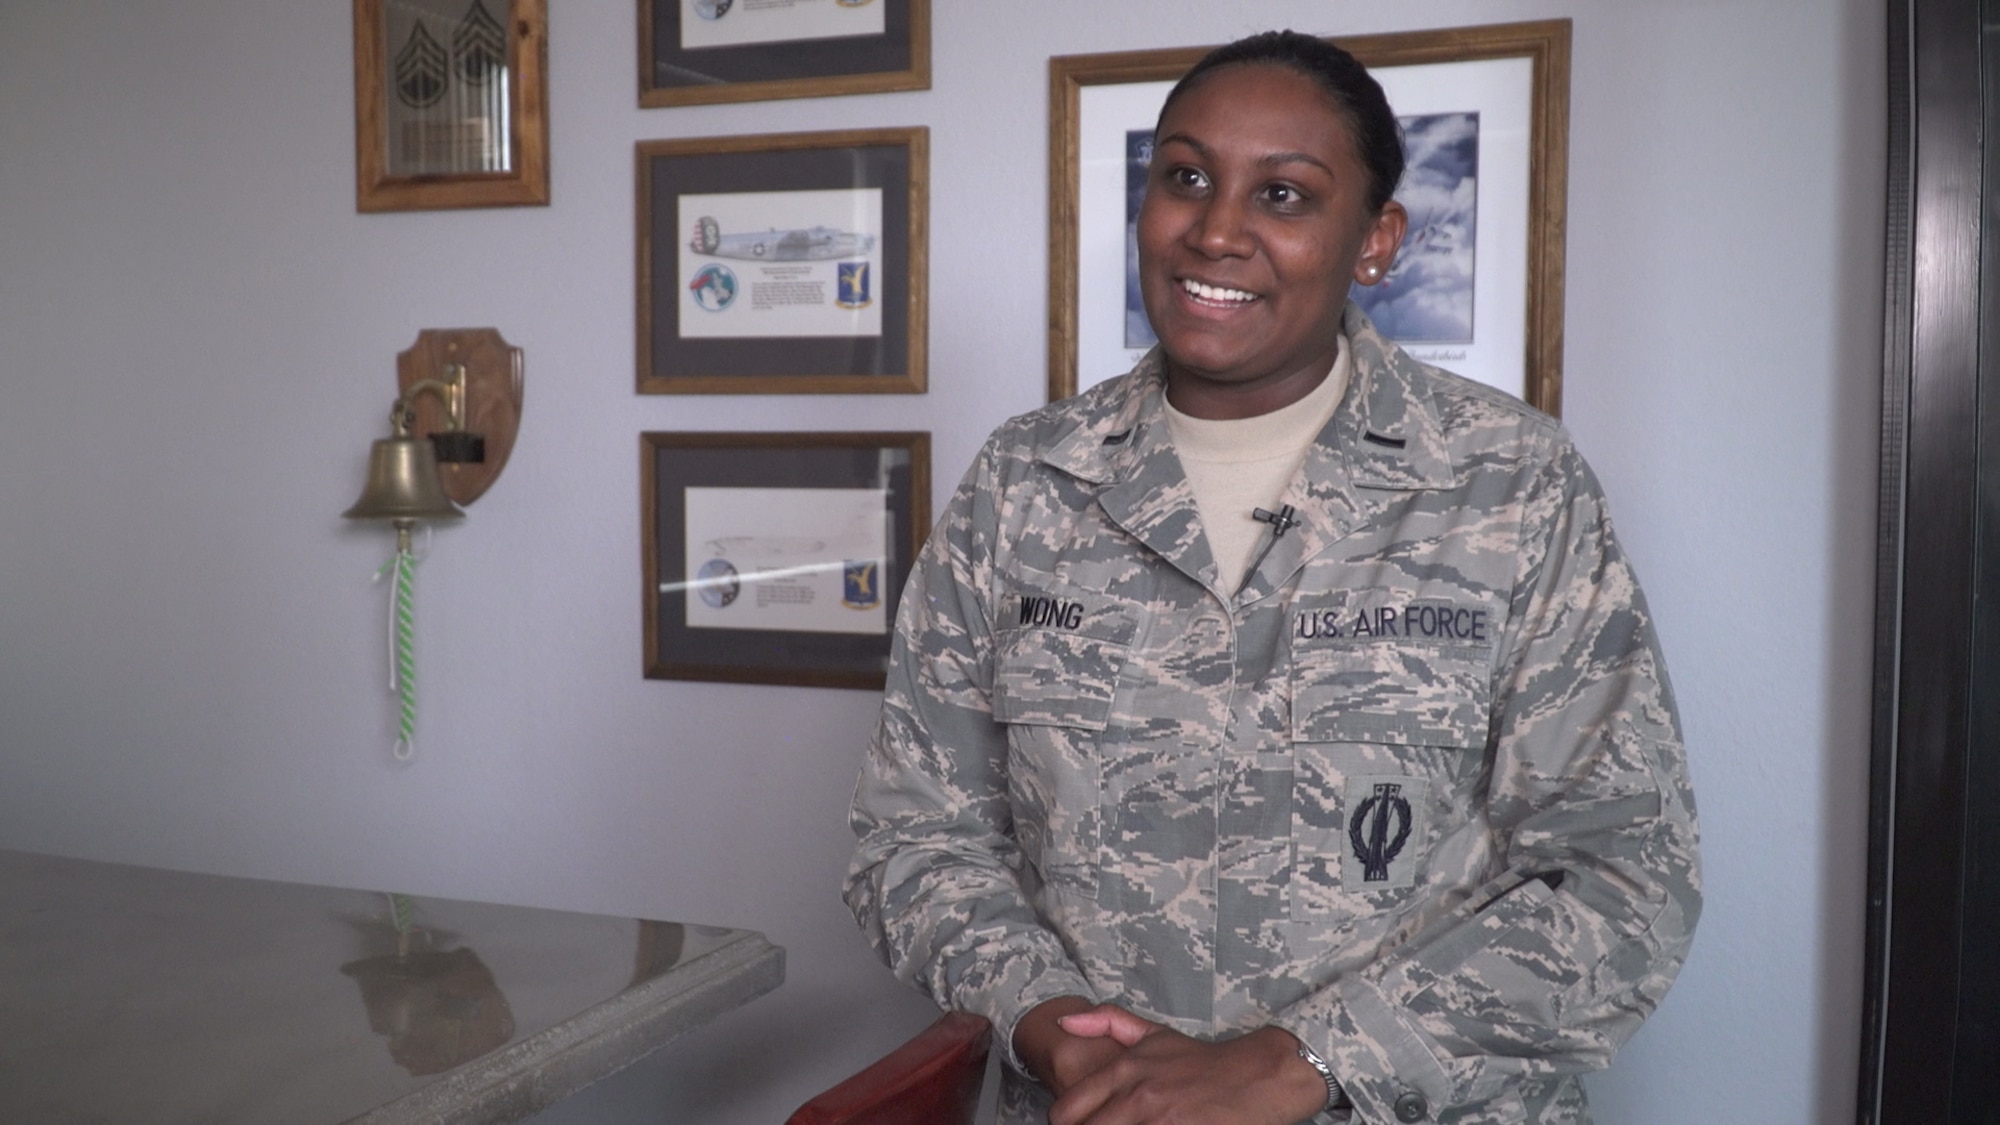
[1477, 287]
[450, 104]
[777, 558]
[791, 263]
[699, 52]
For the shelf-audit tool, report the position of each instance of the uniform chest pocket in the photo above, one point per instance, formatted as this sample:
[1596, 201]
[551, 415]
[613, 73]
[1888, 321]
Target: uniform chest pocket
[1057, 679]
[1059, 658]
[1418, 674]
[1057, 663]
[1054, 690]
[1388, 722]
[1393, 694]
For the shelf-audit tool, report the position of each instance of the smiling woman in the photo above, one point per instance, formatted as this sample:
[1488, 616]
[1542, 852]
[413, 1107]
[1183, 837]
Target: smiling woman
[1279, 727]
[1258, 215]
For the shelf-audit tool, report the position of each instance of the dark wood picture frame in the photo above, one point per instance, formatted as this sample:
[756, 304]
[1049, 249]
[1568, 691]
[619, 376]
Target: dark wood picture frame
[435, 70]
[895, 161]
[671, 463]
[897, 59]
[1546, 43]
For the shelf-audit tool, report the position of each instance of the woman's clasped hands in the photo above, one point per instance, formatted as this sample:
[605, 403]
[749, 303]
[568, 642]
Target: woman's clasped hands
[1108, 1066]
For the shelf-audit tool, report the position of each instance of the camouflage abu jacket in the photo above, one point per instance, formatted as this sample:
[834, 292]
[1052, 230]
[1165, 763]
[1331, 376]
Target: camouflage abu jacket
[1414, 793]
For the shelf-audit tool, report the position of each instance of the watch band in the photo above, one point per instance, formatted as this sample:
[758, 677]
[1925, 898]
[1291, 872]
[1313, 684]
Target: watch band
[1335, 1096]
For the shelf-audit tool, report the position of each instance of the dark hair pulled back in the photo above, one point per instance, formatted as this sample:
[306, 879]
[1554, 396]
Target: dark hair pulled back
[1378, 140]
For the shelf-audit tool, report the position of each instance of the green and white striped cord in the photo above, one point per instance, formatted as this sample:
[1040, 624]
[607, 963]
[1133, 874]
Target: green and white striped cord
[403, 649]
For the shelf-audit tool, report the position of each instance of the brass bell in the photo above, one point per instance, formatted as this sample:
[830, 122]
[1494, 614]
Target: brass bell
[403, 484]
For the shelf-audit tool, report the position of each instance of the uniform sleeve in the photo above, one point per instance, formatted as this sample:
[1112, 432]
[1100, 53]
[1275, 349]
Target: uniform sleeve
[1549, 968]
[936, 877]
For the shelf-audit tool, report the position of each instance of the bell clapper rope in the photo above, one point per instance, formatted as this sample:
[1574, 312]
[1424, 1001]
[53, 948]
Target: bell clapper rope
[402, 640]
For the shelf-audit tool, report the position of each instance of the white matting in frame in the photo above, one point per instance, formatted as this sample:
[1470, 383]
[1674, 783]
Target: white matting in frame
[781, 263]
[1498, 90]
[820, 571]
[1478, 285]
[732, 23]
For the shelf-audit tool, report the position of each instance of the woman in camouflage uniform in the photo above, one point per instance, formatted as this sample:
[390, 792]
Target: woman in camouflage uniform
[1278, 730]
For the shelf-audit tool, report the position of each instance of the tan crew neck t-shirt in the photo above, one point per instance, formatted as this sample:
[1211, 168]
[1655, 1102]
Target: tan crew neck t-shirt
[1237, 465]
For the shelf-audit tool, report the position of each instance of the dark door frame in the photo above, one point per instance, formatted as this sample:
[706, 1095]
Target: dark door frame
[1931, 990]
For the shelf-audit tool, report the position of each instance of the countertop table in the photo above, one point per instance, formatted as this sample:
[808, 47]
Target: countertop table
[130, 994]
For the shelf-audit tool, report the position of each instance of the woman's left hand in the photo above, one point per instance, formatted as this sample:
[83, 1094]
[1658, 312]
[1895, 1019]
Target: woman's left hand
[1166, 1077]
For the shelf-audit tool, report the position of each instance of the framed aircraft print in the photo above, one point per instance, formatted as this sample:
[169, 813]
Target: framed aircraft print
[1477, 287]
[777, 558]
[700, 52]
[790, 263]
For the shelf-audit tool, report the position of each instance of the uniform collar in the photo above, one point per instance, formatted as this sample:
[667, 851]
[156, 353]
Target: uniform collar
[1123, 444]
[1385, 434]
[1388, 426]
[1101, 445]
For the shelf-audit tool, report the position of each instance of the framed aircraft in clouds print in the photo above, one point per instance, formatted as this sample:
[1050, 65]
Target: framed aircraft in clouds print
[1477, 287]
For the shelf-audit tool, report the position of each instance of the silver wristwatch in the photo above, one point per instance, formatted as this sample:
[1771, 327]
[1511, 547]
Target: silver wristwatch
[1335, 1096]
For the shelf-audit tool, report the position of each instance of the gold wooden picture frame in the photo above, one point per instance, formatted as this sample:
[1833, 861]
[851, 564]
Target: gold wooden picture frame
[705, 52]
[778, 558]
[792, 263]
[1513, 77]
[450, 104]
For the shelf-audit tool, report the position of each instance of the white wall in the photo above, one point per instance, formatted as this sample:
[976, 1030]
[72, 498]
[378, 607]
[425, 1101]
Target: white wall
[197, 341]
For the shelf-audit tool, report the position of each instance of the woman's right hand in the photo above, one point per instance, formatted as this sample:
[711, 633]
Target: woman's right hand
[1057, 1059]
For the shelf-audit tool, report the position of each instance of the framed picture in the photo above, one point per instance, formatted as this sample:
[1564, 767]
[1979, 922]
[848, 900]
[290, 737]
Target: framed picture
[778, 558]
[1477, 287]
[699, 52]
[451, 105]
[783, 264]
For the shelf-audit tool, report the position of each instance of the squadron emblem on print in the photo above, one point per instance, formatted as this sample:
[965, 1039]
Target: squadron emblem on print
[860, 584]
[714, 287]
[712, 9]
[853, 286]
[718, 583]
